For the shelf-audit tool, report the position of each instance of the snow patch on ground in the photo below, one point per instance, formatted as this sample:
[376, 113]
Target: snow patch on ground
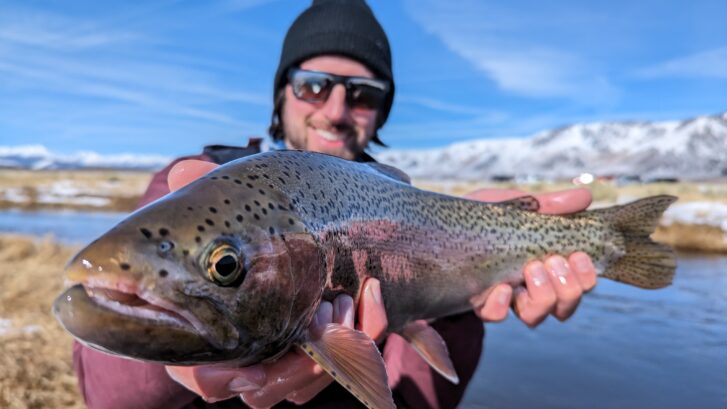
[7, 328]
[703, 213]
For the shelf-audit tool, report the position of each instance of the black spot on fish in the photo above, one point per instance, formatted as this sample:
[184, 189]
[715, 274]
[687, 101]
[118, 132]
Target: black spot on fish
[227, 201]
[333, 373]
[271, 230]
[227, 224]
[163, 232]
[145, 232]
[200, 228]
[163, 273]
[239, 218]
[256, 216]
[226, 177]
[249, 185]
[248, 208]
[124, 266]
[238, 181]
[262, 192]
[291, 222]
[214, 178]
[213, 210]
[256, 203]
[190, 208]
[185, 252]
[209, 222]
[310, 353]
[265, 211]
[270, 206]
[198, 239]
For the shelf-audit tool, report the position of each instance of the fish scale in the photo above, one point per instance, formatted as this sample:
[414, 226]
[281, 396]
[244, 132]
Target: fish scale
[233, 266]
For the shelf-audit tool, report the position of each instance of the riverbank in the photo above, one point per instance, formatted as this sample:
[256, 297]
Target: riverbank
[87, 190]
[35, 363]
[694, 223]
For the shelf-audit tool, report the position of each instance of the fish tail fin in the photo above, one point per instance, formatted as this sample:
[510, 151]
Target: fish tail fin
[646, 264]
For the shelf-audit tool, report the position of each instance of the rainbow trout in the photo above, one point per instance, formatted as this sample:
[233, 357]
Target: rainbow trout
[232, 267]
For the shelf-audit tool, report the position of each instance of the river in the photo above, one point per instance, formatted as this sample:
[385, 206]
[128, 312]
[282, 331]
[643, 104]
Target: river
[624, 347]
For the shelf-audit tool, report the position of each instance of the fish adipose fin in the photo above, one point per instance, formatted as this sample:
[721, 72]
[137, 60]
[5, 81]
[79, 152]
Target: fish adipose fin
[430, 345]
[525, 203]
[646, 264]
[353, 360]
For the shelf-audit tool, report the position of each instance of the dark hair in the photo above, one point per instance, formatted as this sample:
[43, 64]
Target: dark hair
[277, 129]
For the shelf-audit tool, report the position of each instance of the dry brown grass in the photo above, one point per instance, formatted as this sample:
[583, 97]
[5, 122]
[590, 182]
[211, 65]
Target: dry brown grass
[35, 365]
[695, 238]
[122, 188]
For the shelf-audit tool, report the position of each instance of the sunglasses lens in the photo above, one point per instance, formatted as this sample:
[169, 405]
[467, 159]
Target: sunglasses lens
[313, 86]
[366, 96]
[310, 86]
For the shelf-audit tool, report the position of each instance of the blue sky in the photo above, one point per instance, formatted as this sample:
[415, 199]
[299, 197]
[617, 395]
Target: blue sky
[167, 77]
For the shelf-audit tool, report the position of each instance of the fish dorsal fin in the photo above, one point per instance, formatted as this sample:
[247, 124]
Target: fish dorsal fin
[525, 203]
[430, 345]
[353, 360]
[391, 172]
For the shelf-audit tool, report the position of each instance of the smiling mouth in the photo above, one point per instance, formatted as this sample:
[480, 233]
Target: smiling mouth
[330, 136]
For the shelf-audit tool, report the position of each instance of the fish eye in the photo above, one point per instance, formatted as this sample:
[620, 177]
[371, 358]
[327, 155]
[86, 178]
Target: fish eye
[225, 266]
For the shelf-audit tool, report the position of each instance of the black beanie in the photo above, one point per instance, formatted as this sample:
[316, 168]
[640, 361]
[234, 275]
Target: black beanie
[338, 27]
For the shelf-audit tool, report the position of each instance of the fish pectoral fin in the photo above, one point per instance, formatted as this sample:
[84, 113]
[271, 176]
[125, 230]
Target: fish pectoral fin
[525, 203]
[353, 360]
[430, 346]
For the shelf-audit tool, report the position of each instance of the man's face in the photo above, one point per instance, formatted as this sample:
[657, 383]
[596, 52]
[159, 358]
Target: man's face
[329, 126]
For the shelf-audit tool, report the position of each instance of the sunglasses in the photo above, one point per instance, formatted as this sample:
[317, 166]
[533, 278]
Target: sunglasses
[316, 86]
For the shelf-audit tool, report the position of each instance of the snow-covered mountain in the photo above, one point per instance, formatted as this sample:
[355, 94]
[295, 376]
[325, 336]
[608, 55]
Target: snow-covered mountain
[691, 149]
[39, 157]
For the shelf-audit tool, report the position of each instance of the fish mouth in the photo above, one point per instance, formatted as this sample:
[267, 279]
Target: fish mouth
[137, 305]
[127, 324]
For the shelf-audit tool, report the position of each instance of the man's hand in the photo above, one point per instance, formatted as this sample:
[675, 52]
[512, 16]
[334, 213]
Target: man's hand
[553, 286]
[294, 376]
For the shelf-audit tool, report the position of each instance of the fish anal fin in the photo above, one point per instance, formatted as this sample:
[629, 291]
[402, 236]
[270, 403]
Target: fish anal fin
[391, 172]
[353, 360]
[525, 203]
[430, 346]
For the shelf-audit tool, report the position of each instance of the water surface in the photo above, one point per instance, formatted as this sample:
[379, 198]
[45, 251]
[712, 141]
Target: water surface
[66, 226]
[624, 348]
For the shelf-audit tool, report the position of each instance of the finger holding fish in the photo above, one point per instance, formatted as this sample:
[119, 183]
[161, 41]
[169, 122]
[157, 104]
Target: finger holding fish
[186, 171]
[539, 297]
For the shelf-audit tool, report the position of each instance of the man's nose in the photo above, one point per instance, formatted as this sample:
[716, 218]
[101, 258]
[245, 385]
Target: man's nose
[335, 108]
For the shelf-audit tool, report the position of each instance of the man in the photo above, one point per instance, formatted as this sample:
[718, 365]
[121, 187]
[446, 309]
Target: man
[333, 90]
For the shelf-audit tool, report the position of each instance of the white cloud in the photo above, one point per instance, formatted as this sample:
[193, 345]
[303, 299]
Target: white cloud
[443, 106]
[51, 53]
[710, 63]
[492, 40]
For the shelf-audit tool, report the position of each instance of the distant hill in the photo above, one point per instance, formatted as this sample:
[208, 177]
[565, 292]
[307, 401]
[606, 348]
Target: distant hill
[37, 157]
[695, 148]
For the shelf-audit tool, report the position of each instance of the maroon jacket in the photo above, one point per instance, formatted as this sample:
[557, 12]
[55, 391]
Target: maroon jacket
[111, 382]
